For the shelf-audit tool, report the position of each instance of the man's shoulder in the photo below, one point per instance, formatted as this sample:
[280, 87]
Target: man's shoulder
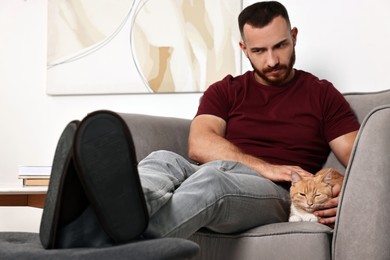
[311, 79]
[231, 83]
[315, 87]
[238, 78]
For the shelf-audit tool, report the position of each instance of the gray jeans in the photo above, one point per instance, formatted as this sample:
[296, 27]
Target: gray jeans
[223, 196]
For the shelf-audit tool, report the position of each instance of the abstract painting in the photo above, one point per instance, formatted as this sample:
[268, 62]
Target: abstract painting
[140, 46]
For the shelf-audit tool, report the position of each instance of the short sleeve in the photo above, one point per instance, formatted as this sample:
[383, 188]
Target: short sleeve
[215, 100]
[339, 119]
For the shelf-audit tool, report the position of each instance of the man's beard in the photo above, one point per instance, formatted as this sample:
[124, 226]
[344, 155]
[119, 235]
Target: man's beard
[280, 80]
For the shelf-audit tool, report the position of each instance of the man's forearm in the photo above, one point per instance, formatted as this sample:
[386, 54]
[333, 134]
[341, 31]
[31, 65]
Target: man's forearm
[207, 143]
[218, 148]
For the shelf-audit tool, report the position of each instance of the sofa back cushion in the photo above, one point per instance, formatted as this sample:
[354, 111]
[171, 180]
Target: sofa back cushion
[153, 133]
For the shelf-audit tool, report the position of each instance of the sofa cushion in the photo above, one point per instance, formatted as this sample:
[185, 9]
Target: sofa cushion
[298, 240]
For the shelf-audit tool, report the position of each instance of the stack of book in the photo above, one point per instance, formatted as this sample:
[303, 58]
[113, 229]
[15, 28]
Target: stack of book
[35, 175]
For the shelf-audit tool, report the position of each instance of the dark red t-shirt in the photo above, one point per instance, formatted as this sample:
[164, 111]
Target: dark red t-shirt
[290, 124]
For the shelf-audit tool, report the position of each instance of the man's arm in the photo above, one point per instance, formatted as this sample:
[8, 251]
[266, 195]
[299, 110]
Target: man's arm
[207, 143]
[342, 148]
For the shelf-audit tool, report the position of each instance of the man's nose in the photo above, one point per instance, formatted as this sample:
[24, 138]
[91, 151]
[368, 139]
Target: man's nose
[272, 59]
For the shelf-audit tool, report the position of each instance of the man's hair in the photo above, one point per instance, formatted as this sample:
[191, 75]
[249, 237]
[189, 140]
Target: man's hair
[261, 14]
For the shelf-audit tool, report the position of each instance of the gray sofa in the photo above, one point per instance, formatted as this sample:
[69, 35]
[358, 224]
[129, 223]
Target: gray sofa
[362, 230]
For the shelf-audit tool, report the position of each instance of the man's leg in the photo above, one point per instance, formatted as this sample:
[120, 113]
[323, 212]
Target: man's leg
[161, 173]
[224, 196]
[104, 158]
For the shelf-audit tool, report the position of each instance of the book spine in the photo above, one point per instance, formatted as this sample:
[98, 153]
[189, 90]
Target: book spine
[35, 182]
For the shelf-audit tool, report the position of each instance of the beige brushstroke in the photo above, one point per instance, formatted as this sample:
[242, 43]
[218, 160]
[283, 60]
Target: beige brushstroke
[156, 83]
[201, 35]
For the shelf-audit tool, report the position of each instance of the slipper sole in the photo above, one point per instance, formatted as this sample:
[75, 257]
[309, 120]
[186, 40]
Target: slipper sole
[105, 159]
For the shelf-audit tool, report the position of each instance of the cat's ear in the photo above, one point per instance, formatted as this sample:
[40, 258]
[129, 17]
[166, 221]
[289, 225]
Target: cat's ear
[295, 177]
[328, 176]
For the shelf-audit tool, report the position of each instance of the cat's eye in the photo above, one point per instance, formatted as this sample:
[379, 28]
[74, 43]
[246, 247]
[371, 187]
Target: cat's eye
[302, 194]
[317, 195]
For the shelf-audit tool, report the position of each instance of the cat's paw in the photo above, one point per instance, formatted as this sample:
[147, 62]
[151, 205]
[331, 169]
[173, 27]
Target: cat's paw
[295, 218]
[310, 218]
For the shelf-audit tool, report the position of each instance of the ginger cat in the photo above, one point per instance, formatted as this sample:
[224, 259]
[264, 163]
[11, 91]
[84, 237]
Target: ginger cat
[309, 193]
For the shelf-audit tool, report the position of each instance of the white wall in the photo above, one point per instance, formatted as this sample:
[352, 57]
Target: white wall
[346, 42]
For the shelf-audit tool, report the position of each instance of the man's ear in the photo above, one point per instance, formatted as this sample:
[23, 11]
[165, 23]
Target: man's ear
[243, 48]
[294, 34]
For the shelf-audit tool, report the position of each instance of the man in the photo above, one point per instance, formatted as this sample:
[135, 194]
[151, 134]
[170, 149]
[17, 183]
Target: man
[269, 46]
[250, 133]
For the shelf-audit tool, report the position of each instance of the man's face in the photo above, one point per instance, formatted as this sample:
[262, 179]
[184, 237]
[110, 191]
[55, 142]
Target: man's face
[271, 51]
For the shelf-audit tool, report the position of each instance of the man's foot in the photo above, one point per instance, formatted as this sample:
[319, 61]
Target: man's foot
[65, 199]
[105, 160]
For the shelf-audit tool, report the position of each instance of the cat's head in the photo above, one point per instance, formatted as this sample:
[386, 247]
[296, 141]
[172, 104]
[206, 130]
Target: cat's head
[310, 192]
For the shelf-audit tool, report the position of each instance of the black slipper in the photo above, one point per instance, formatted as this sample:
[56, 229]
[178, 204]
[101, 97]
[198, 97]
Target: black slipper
[64, 199]
[105, 159]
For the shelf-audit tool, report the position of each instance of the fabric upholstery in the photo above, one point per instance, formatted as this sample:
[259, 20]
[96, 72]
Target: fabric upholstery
[26, 246]
[152, 133]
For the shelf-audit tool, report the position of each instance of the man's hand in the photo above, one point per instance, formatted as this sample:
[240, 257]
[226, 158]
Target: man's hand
[327, 213]
[341, 147]
[281, 172]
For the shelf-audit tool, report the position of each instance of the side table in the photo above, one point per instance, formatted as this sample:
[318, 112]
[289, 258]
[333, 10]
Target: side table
[33, 196]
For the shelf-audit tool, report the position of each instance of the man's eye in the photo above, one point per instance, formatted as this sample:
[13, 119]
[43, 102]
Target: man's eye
[258, 51]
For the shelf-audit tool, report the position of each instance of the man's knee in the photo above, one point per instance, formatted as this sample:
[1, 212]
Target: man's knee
[162, 155]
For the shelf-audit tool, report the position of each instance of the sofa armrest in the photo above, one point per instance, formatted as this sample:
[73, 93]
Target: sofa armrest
[152, 133]
[362, 226]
